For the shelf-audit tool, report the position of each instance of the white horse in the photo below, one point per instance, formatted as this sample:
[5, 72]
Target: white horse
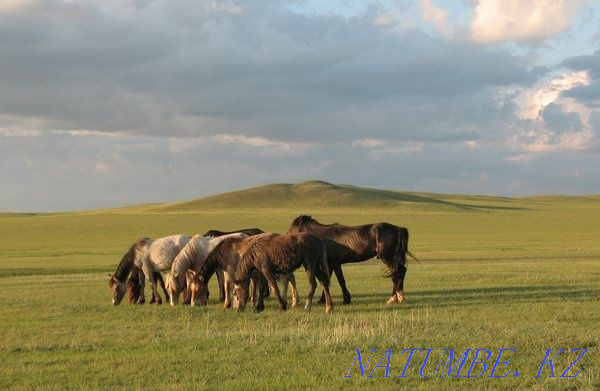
[191, 256]
[148, 255]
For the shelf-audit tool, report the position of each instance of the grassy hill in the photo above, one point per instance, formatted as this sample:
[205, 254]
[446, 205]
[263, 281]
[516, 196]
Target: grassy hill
[319, 194]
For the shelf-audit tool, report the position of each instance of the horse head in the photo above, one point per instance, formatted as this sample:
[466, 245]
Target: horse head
[119, 288]
[240, 295]
[198, 289]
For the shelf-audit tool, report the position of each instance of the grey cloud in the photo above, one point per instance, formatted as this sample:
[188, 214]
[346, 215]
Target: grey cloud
[589, 94]
[181, 69]
[560, 121]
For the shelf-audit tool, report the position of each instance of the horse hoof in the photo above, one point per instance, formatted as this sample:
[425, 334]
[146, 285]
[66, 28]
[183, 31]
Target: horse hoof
[328, 310]
[400, 297]
[294, 304]
[259, 309]
[346, 302]
[392, 300]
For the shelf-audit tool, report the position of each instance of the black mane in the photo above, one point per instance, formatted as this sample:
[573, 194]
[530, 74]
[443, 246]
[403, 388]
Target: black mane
[302, 221]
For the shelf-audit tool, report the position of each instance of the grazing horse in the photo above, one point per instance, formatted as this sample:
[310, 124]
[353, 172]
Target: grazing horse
[148, 255]
[134, 286]
[286, 280]
[191, 257]
[274, 255]
[225, 257]
[359, 243]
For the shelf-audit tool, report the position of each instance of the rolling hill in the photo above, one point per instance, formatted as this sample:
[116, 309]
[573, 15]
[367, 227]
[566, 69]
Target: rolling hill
[320, 194]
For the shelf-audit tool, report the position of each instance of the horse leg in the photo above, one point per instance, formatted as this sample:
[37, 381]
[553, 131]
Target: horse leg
[400, 284]
[339, 274]
[312, 286]
[161, 283]
[227, 290]
[150, 275]
[331, 270]
[273, 284]
[324, 280]
[221, 284]
[284, 285]
[398, 292]
[292, 283]
[142, 282]
[260, 305]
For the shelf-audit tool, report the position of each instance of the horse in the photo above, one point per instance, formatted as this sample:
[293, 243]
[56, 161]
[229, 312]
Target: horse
[149, 256]
[274, 255]
[286, 280]
[349, 244]
[190, 257]
[134, 286]
[225, 257]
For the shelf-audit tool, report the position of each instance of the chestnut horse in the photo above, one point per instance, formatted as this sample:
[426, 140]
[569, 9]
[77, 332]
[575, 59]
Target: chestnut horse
[359, 243]
[286, 280]
[274, 255]
[225, 257]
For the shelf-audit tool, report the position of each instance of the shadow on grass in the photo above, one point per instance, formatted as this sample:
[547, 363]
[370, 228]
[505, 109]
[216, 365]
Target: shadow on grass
[483, 295]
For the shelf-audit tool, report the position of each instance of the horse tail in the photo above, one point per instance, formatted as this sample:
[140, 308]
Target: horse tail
[399, 260]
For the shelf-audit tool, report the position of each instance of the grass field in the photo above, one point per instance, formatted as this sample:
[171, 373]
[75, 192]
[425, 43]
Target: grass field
[494, 273]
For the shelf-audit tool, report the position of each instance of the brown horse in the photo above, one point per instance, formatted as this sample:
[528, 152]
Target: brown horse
[287, 280]
[274, 255]
[224, 257]
[134, 288]
[359, 243]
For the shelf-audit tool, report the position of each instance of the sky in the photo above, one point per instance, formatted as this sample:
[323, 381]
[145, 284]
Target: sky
[119, 102]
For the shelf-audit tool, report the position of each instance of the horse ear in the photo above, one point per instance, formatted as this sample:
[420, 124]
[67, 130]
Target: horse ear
[110, 276]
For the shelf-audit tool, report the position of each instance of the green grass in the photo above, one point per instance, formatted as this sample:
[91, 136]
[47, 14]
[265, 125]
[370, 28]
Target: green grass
[495, 273]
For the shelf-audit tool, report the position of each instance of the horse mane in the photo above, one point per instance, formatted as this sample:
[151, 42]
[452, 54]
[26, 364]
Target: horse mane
[184, 259]
[303, 221]
[128, 259]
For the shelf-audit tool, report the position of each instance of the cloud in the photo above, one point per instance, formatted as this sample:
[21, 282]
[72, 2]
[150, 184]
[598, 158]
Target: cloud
[521, 21]
[589, 93]
[436, 15]
[533, 100]
[168, 68]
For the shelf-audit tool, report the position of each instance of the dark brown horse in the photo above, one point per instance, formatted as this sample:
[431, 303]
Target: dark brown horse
[274, 255]
[359, 243]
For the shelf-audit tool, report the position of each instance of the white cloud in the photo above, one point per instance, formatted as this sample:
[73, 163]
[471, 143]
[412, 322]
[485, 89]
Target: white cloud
[12, 5]
[436, 15]
[523, 21]
[532, 101]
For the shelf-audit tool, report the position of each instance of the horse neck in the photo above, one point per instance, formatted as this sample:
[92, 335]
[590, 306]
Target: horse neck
[210, 265]
[183, 260]
[126, 264]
